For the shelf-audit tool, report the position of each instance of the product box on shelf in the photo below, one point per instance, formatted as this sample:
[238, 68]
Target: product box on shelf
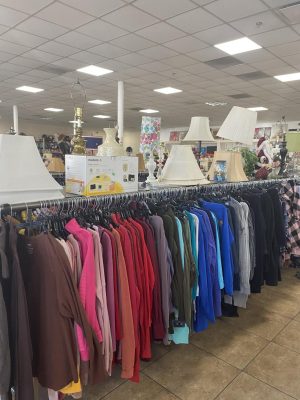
[94, 175]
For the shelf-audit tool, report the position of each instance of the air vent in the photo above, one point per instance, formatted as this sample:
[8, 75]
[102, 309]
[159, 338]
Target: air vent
[54, 70]
[136, 109]
[291, 12]
[240, 96]
[251, 76]
[223, 62]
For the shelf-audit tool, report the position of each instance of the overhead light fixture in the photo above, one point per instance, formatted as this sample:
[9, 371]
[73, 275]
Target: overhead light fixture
[238, 46]
[257, 108]
[75, 122]
[52, 109]
[94, 70]
[215, 103]
[149, 111]
[102, 116]
[100, 102]
[288, 77]
[168, 90]
[29, 89]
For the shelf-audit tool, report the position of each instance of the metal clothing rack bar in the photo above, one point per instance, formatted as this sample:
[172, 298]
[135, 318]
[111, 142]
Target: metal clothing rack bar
[141, 195]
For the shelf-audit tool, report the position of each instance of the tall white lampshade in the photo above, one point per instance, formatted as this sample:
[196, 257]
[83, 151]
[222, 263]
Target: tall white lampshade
[239, 125]
[199, 131]
[181, 168]
[23, 175]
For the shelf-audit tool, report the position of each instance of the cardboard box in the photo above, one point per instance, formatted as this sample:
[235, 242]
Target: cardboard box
[94, 175]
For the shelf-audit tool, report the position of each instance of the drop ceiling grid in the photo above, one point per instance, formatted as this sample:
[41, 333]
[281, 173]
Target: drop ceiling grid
[178, 60]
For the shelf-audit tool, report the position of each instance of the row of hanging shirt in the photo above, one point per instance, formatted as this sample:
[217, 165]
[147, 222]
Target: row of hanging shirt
[98, 288]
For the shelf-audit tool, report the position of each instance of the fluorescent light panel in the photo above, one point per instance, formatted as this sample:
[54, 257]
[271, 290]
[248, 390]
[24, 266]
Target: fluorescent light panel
[167, 90]
[100, 102]
[101, 116]
[215, 103]
[30, 89]
[52, 109]
[149, 111]
[288, 77]
[238, 46]
[94, 70]
[257, 108]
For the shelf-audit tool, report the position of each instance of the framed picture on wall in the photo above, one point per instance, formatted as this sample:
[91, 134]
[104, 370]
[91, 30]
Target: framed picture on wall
[177, 136]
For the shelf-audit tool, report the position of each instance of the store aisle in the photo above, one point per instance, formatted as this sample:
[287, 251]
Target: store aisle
[255, 356]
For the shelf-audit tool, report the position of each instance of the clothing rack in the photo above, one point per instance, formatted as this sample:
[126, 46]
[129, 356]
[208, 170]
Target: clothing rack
[106, 200]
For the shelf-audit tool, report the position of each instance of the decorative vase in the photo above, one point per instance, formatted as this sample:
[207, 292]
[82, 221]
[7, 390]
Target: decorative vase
[110, 147]
[151, 167]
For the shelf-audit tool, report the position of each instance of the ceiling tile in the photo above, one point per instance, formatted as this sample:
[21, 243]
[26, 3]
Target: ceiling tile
[194, 21]
[134, 59]
[14, 68]
[198, 68]
[101, 30]
[12, 47]
[28, 6]
[186, 44]
[218, 34]
[9, 17]
[63, 15]
[23, 38]
[155, 66]
[202, 2]
[39, 55]
[95, 7]
[160, 33]
[256, 55]
[42, 28]
[180, 61]
[276, 37]
[210, 53]
[166, 8]
[297, 27]
[87, 58]
[78, 40]
[223, 62]
[130, 18]
[57, 48]
[26, 62]
[158, 52]
[132, 42]
[239, 69]
[108, 50]
[249, 26]
[230, 10]
[279, 3]
[286, 49]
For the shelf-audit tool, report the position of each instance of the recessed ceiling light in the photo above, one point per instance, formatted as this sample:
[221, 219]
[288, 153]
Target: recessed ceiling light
[46, 118]
[288, 77]
[101, 102]
[215, 103]
[149, 111]
[101, 116]
[94, 70]
[75, 122]
[257, 108]
[238, 46]
[54, 109]
[168, 90]
[29, 89]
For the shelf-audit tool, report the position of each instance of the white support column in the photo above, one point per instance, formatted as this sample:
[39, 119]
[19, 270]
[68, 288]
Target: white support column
[120, 110]
[16, 119]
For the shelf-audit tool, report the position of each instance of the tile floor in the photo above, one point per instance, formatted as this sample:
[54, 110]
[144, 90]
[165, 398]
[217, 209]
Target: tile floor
[253, 357]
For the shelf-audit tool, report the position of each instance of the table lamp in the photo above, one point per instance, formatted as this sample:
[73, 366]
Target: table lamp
[23, 175]
[199, 131]
[181, 168]
[238, 127]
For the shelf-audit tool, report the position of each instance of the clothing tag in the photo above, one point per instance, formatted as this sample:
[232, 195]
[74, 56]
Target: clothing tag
[29, 248]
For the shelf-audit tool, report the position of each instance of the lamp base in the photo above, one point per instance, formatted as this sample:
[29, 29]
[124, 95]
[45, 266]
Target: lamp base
[234, 166]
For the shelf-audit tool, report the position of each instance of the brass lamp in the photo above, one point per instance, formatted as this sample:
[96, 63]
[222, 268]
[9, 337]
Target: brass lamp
[78, 96]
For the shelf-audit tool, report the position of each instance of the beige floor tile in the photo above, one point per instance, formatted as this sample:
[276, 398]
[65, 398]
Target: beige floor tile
[191, 373]
[96, 392]
[297, 318]
[276, 302]
[233, 345]
[279, 367]
[259, 321]
[147, 389]
[158, 351]
[290, 336]
[245, 387]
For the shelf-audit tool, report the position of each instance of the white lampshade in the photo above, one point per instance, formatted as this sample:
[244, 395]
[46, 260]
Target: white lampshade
[181, 168]
[199, 131]
[239, 126]
[23, 175]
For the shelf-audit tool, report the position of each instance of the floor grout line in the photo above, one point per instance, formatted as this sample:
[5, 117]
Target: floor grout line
[163, 387]
[223, 390]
